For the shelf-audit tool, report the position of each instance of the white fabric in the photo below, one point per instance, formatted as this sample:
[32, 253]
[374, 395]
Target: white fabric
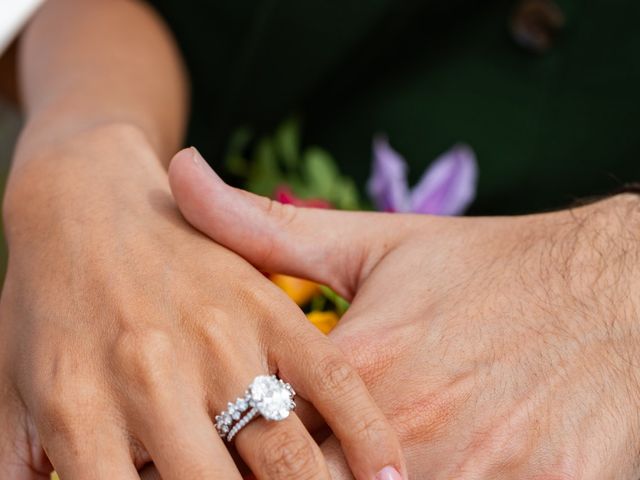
[13, 16]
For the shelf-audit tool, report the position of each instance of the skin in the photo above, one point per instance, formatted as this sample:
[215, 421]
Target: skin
[123, 332]
[500, 348]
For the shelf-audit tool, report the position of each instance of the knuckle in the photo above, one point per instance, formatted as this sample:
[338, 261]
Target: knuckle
[293, 455]
[510, 447]
[284, 213]
[257, 301]
[371, 356]
[208, 331]
[145, 356]
[371, 429]
[437, 411]
[62, 395]
[61, 399]
[62, 413]
[338, 377]
[55, 410]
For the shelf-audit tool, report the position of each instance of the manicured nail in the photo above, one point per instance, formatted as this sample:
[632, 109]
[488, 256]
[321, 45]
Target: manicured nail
[388, 473]
[201, 162]
[196, 157]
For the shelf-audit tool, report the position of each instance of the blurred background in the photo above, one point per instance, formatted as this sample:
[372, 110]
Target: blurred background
[545, 93]
[9, 127]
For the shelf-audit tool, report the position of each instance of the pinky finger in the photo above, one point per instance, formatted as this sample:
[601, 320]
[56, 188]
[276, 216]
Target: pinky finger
[21, 457]
[14, 464]
[113, 462]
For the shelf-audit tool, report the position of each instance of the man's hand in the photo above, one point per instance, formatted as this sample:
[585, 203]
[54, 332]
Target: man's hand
[124, 331]
[499, 348]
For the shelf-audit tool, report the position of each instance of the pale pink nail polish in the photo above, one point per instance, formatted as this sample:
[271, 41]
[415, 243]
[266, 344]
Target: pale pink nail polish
[388, 473]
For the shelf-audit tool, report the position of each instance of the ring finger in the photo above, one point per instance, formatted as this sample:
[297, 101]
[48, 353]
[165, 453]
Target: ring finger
[275, 450]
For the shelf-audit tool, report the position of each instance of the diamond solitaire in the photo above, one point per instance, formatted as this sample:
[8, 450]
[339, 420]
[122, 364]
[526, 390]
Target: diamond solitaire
[267, 396]
[272, 397]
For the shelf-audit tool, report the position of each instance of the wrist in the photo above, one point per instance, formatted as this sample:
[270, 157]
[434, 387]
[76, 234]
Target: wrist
[101, 169]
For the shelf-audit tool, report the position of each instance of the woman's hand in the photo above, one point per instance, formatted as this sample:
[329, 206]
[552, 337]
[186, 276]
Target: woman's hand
[499, 348]
[124, 332]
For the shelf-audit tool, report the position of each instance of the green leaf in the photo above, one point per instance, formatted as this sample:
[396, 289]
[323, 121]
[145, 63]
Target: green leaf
[297, 186]
[264, 175]
[239, 140]
[234, 158]
[341, 304]
[287, 142]
[318, 303]
[320, 172]
[237, 165]
[345, 195]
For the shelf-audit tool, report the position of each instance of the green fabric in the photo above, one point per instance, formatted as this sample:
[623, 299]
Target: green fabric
[547, 129]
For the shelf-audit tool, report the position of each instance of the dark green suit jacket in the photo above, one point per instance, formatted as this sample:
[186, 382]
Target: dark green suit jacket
[547, 128]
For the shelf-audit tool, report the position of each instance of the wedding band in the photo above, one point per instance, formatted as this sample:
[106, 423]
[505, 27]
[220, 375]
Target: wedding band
[267, 396]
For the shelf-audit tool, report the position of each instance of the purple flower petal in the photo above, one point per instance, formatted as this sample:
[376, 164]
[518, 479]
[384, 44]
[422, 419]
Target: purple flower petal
[387, 185]
[449, 185]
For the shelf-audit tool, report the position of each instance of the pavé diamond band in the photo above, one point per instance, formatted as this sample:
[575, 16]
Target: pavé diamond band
[267, 396]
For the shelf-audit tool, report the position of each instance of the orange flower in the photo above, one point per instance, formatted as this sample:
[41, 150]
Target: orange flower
[300, 291]
[325, 321]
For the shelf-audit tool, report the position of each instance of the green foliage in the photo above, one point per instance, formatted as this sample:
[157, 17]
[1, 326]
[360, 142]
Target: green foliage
[264, 171]
[318, 303]
[278, 160]
[341, 305]
[239, 141]
[287, 142]
[346, 195]
[320, 172]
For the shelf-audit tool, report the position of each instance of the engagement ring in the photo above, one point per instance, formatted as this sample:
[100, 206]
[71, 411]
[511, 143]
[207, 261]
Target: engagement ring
[267, 396]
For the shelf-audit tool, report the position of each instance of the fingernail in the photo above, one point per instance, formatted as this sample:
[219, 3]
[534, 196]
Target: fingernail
[388, 473]
[196, 157]
[201, 162]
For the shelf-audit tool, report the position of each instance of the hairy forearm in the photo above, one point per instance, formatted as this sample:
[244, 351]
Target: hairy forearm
[89, 63]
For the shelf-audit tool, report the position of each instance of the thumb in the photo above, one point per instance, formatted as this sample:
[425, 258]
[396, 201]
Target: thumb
[332, 247]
